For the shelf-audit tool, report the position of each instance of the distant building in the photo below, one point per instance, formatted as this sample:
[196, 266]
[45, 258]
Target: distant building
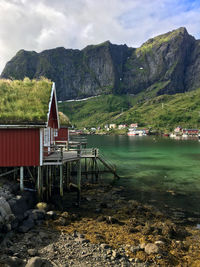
[112, 126]
[122, 126]
[178, 129]
[190, 131]
[133, 125]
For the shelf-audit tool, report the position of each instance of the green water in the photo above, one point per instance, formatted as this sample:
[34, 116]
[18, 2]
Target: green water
[161, 171]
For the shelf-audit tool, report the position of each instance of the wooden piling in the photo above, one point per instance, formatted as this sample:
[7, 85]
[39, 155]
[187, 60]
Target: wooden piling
[47, 183]
[39, 182]
[50, 180]
[61, 180]
[21, 179]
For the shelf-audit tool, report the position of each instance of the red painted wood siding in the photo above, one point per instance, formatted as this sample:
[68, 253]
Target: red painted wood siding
[62, 134]
[19, 147]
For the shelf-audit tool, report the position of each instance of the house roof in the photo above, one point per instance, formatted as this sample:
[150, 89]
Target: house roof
[64, 120]
[25, 102]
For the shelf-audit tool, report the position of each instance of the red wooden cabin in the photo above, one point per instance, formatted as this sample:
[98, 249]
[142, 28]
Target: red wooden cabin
[29, 121]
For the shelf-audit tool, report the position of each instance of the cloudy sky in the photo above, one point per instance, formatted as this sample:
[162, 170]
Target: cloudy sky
[43, 24]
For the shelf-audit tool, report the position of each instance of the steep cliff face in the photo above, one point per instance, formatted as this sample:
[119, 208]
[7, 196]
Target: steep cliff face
[159, 64]
[168, 63]
[92, 71]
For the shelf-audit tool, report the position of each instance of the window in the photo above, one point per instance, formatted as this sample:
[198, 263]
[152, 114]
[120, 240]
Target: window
[47, 137]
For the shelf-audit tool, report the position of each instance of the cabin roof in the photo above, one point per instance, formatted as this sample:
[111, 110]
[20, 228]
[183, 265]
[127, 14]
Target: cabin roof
[64, 120]
[25, 102]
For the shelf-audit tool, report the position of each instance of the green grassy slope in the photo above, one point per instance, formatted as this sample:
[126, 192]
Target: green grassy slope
[96, 111]
[161, 112]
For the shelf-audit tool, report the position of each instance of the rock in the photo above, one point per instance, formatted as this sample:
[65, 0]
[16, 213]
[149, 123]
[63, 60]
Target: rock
[101, 219]
[103, 205]
[62, 221]
[32, 252]
[51, 215]
[26, 226]
[81, 240]
[135, 249]
[38, 262]
[151, 248]
[43, 235]
[112, 220]
[142, 246]
[115, 254]
[37, 214]
[159, 242]
[14, 262]
[104, 246]
[20, 204]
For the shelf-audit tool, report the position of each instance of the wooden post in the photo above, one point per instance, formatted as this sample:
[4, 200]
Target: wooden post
[21, 179]
[61, 180]
[86, 176]
[39, 182]
[47, 182]
[79, 173]
[96, 171]
[42, 182]
[50, 180]
[92, 170]
[15, 174]
[68, 174]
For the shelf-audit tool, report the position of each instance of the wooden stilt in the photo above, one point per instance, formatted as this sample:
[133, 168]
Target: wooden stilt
[79, 180]
[68, 174]
[92, 170]
[21, 179]
[42, 182]
[15, 174]
[50, 180]
[47, 183]
[79, 174]
[39, 182]
[61, 180]
[86, 176]
[96, 170]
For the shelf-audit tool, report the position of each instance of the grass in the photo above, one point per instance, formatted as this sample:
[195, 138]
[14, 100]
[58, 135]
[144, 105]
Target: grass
[24, 101]
[163, 112]
[64, 120]
[158, 40]
[96, 111]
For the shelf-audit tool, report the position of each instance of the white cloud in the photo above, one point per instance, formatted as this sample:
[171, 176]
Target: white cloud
[44, 24]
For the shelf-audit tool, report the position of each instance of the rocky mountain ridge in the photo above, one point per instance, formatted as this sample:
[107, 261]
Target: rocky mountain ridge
[168, 63]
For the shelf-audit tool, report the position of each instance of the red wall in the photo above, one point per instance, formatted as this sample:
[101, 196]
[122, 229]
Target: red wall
[19, 147]
[62, 134]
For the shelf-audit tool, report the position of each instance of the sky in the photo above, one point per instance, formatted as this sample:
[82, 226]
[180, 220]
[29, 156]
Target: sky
[44, 24]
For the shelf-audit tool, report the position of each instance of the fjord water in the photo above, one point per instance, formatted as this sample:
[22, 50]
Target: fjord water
[160, 171]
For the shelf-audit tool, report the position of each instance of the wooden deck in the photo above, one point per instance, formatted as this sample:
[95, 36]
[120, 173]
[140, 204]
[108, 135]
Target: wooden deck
[61, 157]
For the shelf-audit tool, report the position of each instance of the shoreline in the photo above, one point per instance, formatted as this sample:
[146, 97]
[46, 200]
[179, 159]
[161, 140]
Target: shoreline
[106, 230]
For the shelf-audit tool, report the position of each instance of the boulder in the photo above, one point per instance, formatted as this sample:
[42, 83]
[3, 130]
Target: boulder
[38, 262]
[26, 225]
[151, 248]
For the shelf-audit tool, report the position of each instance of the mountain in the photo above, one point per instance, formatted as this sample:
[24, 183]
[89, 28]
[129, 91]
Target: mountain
[168, 63]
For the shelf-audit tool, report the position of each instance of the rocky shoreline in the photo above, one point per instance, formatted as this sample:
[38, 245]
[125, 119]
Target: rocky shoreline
[106, 230]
